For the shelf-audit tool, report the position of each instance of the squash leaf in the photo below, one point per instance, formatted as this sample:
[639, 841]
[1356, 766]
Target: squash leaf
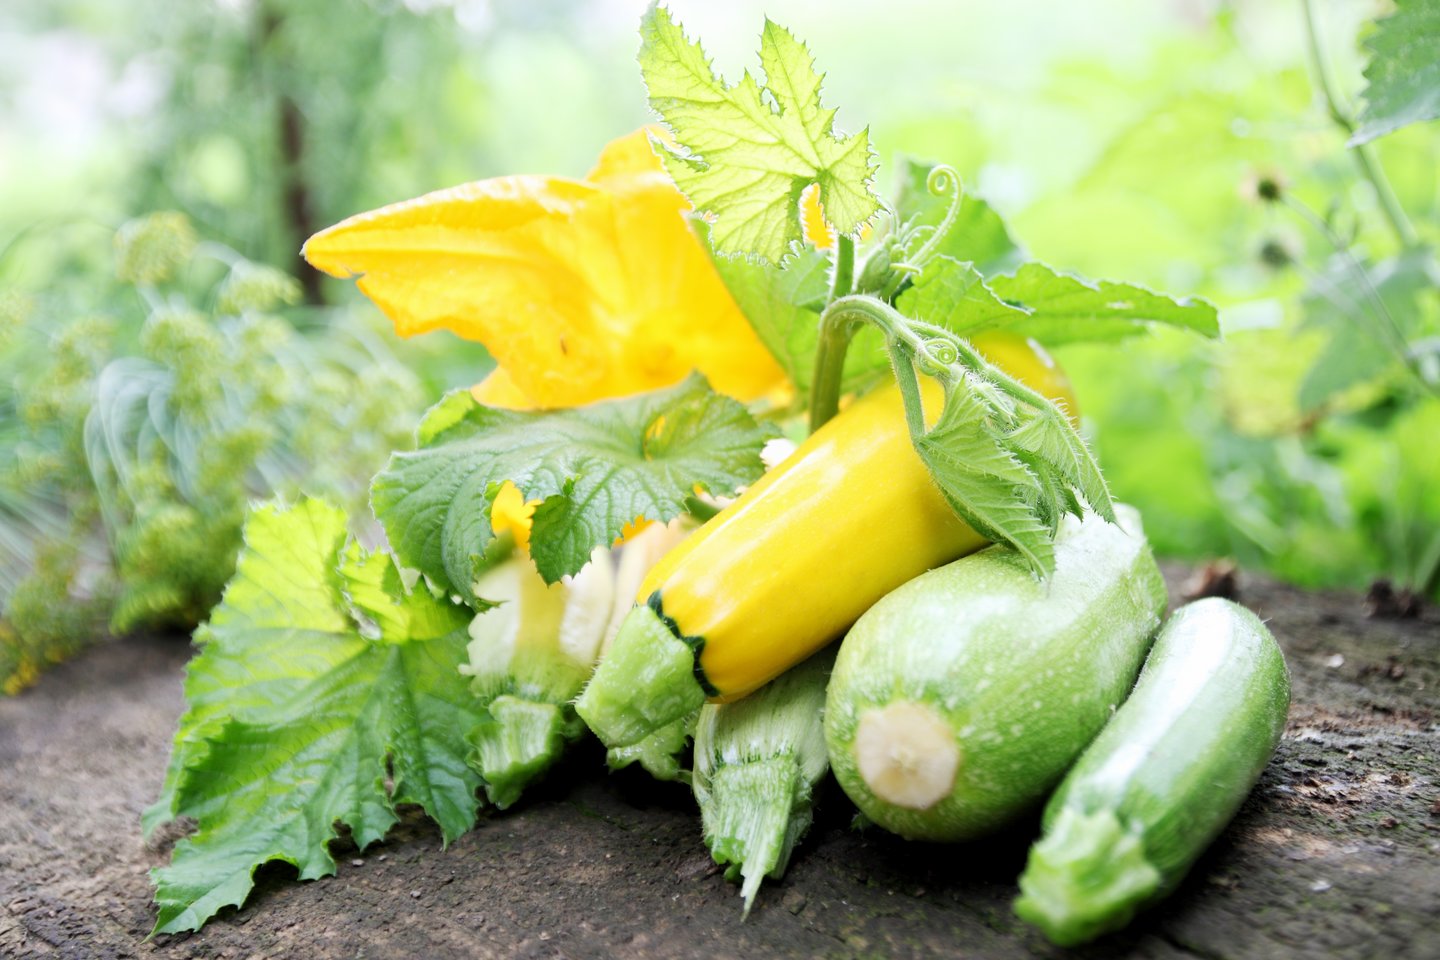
[298, 708]
[744, 159]
[1053, 307]
[593, 469]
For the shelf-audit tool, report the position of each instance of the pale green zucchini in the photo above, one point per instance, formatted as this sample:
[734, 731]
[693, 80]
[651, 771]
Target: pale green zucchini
[1163, 778]
[959, 700]
[757, 761]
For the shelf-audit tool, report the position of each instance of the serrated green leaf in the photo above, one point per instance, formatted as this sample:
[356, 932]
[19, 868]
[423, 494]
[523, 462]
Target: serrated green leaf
[979, 236]
[1067, 309]
[296, 717]
[954, 295]
[594, 469]
[983, 482]
[783, 304]
[744, 159]
[1403, 75]
[1048, 438]
[380, 604]
[285, 590]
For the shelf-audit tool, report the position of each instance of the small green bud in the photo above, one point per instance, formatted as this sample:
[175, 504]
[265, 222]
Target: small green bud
[264, 335]
[875, 273]
[81, 348]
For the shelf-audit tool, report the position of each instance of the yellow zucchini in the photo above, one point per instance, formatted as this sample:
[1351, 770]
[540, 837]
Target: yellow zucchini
[788, 566]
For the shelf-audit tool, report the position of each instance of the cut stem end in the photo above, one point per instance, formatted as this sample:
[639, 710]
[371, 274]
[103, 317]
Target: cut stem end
[644, 688]
[907, 754]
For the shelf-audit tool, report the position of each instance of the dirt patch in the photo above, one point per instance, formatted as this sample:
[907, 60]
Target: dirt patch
[1335, 854]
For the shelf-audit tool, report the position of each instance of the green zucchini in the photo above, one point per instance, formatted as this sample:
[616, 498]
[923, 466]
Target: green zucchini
[1163, 778]
[959, 700]
[757, 762]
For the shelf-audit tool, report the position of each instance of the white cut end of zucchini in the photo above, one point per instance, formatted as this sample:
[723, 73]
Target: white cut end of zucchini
[907, 754]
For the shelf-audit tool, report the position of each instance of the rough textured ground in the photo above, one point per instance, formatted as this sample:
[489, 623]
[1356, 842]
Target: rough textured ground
[1336, 854]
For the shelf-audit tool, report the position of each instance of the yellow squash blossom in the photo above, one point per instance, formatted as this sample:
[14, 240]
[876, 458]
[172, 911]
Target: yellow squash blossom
[580, 289]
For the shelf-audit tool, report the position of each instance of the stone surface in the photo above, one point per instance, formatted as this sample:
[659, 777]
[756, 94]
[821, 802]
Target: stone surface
[1335, 854]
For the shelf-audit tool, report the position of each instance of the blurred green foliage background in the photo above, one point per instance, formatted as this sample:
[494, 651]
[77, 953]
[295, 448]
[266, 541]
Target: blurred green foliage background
[1182, 144]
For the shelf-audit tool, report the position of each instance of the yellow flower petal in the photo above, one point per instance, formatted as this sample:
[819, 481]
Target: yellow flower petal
[630, 529]
[499, 390]
[511, 514]
[812, 219]
[580, 290]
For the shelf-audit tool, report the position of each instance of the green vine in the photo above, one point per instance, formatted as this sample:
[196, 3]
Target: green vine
[1364, 157]
[943, 181]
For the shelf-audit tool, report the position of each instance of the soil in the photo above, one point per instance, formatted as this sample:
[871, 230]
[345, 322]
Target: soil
[1335, 854]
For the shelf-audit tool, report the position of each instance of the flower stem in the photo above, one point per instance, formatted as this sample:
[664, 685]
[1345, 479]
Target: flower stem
[842, 277]
[835, 334]
[1364, 156]
[904, 363]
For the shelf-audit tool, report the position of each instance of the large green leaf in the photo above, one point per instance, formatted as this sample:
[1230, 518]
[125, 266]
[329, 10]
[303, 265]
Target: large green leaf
[953, 294]
[1054, 308]
[594, 469]
[285, 589]
[745, 159]
[298, 710]
[1051, 307]
[1066, 309]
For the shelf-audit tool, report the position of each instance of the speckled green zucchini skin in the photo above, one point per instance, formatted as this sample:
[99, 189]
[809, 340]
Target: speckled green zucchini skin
[1163, 778]
[1024, 673]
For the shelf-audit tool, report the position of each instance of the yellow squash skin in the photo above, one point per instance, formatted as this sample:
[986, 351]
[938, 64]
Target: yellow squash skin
[790, 565]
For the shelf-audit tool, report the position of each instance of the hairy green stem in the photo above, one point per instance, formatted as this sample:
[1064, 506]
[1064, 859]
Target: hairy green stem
[837, 326]
[835, 334]
[912, 340]
[904, 363]
[1364, 156]
[1007, 384]
[838, 321]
